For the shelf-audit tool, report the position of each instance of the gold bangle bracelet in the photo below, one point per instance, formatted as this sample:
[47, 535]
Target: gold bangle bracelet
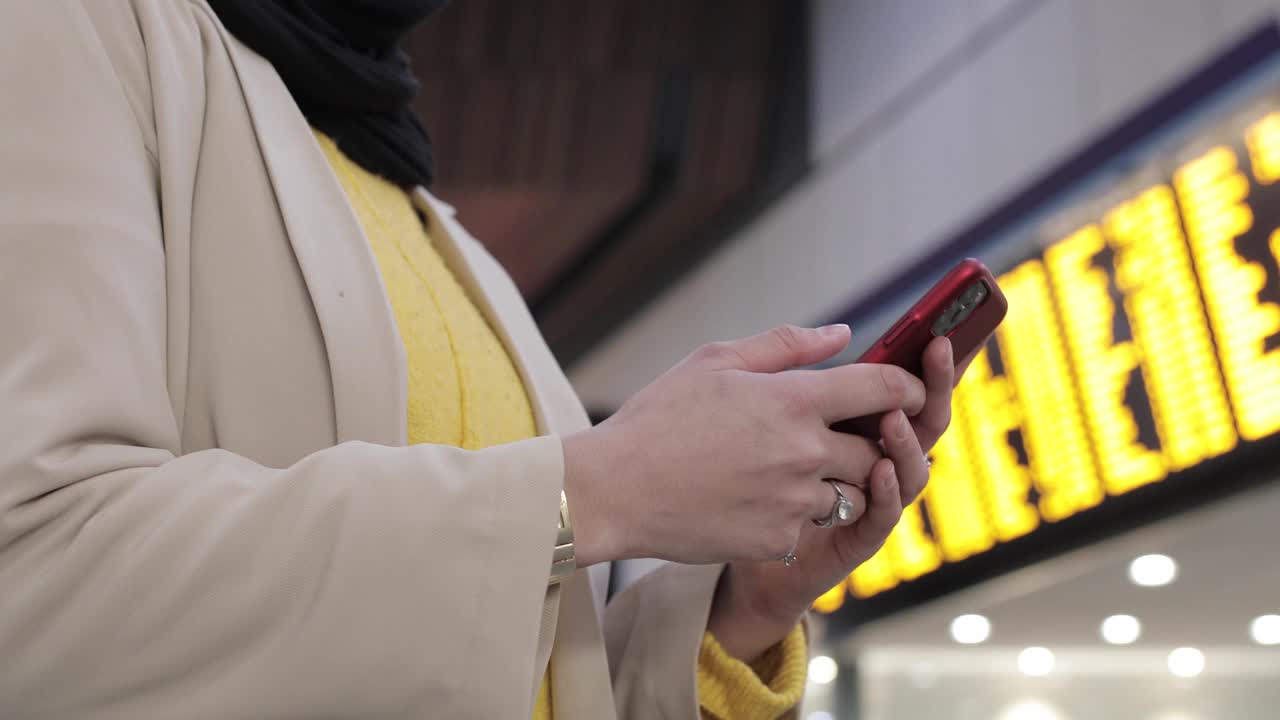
[563, 560]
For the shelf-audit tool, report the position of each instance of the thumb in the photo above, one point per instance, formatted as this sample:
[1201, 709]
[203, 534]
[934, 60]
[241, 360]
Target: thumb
[786, 347]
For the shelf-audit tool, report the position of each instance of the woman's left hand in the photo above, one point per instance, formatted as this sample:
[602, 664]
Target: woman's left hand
[758, 603]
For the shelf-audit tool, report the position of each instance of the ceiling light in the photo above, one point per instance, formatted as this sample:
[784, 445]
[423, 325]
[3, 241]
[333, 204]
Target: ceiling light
[1036, 661]
[821, 715]
[822, 670]
[1153, 570]
[1265, 630]
[1121, 629]
[1186, 662]
[970, 629]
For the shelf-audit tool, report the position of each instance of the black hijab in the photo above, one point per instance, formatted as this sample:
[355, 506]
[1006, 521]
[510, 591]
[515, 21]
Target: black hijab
[342, 62]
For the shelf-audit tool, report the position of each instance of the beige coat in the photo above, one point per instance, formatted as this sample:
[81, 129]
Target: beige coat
[207, 505]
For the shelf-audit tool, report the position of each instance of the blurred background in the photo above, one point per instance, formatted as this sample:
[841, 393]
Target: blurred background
[1097, 541]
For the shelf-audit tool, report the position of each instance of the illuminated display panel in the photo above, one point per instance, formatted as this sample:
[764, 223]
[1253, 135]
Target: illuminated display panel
[1036, 362]
[1142, 346]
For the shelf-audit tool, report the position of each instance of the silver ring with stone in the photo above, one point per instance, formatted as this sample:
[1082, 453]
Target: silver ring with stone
[841, 509]
[789, 559]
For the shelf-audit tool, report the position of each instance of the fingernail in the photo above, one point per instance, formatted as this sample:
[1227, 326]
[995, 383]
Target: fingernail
[946, 355]
[891, 479]
[904, 427]
[836, 329]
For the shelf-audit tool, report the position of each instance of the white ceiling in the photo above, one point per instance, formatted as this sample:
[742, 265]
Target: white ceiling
[909, 669]
[1229, 573]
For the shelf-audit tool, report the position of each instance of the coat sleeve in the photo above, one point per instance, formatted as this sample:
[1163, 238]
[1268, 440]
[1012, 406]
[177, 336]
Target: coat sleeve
[138, 582]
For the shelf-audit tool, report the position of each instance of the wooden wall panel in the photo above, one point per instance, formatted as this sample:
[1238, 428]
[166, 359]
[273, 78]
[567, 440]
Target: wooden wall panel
[543, 117]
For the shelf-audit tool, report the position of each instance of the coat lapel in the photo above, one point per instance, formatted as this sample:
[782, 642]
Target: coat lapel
[366, 356]
[581, 688]
[556, 406]
[492, 291]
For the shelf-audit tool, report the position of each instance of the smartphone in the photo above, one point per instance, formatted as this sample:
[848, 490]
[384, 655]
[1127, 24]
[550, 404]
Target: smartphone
[966, 306]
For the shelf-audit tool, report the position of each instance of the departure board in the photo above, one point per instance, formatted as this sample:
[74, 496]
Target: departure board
[1142, 344]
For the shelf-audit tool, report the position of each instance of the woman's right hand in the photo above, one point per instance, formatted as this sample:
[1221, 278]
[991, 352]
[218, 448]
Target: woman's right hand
[722, 457]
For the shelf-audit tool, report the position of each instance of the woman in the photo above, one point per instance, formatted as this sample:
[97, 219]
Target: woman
[281, 439]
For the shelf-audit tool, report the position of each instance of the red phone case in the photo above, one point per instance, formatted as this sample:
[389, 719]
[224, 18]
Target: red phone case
[904, 343]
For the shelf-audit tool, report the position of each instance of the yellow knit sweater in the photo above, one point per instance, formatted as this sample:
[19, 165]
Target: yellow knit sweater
[465, 391]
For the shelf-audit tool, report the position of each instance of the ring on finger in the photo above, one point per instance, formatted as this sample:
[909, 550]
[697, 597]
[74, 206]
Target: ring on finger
[841, 510]
[788, 558]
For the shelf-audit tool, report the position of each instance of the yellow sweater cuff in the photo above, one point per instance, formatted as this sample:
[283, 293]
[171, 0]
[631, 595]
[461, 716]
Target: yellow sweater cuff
[729, 689]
